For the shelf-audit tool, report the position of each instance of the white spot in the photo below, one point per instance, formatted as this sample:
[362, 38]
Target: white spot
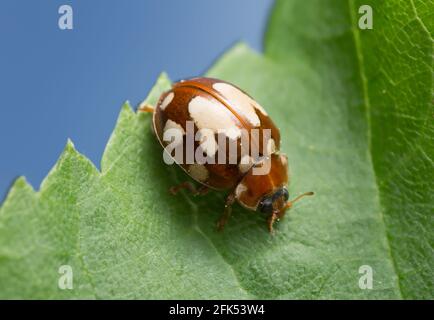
[244, 103]
[173, 125]
[271, 146]
[284, 159]
[167, 100]
[207, 141]
[208, 114]
[172, 132]
[246, 163]
[240, 189]
[198, 172]
[232, 133]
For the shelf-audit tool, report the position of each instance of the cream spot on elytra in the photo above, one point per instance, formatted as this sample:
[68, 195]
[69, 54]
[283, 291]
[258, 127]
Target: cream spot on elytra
[243, 102]
[176, 131]
[209, 114]
[167, 100]
[284, 159]
[173, 125]
[207, 141]
[232, 133]
[246, 163]
[198, 172]
[271, 146]
[241, 188]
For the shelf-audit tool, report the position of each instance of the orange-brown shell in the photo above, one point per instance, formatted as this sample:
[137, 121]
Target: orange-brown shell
[212, 103]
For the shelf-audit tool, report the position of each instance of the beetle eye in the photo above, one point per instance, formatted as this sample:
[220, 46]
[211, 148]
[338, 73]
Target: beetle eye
[266, 205]
[285, 194]
[282, 192]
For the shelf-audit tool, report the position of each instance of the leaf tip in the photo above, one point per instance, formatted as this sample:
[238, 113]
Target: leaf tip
[240, 47]
[126, 108]
[20, 182]
[20, 186]
[163, 77]
[69, 145]
[69, 150]
[126, 112]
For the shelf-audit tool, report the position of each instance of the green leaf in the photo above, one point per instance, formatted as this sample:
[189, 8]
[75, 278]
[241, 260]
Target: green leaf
[388, 72]
[355, 112]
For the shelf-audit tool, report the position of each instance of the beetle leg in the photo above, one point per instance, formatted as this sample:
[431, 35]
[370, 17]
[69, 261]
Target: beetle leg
[227, 212]
[190, 187]
[271, 221]
[202, 190]
[146, 107]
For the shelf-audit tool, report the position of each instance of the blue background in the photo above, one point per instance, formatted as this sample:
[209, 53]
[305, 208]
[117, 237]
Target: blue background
[56, 84]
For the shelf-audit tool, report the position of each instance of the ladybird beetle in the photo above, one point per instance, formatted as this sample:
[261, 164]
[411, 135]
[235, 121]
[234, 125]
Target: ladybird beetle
[217, 114]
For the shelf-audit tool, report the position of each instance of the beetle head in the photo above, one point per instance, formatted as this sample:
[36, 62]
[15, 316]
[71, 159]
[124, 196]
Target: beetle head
[277, 202]
[274, 202]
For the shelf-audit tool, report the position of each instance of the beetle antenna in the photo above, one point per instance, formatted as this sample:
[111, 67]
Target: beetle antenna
[145, 107]
[290, 203]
